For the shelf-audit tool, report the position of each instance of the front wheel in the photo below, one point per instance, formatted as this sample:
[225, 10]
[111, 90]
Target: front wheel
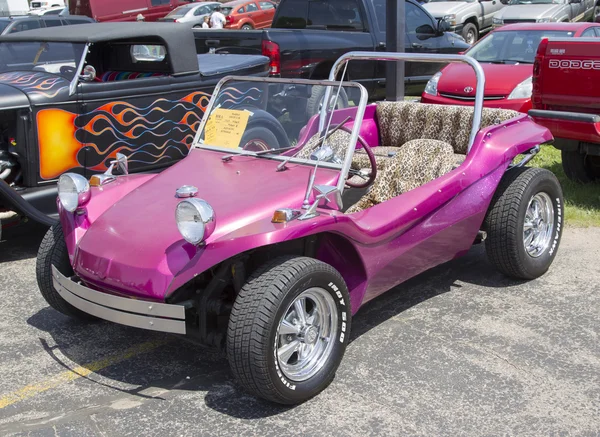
[470, 33]
[53, 252]
[288, 330]
[525, 223]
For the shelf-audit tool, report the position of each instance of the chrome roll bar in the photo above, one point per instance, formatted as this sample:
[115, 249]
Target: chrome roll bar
[417, 57]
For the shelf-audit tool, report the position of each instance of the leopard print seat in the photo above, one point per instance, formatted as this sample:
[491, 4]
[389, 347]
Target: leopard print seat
[416, 163]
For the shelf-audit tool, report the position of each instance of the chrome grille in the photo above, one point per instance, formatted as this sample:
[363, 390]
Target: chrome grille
[469, 98]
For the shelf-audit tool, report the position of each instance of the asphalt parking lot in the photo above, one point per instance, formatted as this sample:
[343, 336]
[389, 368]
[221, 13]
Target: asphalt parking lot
[459, 350]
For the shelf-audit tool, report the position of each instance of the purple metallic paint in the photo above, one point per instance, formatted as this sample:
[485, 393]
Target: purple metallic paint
[145, 256]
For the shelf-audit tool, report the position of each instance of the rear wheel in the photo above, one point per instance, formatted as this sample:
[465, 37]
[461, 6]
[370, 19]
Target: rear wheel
[247, 27]
[259, 138]
[579, 167]
[470, 33]
[315, 102]
[53, 252]
[524, 223]
[288, 329]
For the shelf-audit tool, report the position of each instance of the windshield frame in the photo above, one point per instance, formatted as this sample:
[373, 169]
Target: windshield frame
[344, 168]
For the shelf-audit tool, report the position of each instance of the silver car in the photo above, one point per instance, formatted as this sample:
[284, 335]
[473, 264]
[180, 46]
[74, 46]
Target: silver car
[192, 14]
[545, 11]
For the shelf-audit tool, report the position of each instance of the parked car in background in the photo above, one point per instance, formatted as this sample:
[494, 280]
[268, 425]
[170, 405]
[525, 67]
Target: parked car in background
[45, 4]
[468, 18]
[506, 56]
[142, 92]
[124, 10]
[10, 8]
[566, 100]
[248, 15]
[306, 38]
[9, 25]
[192, 14]
[545, 11]
[56, 10]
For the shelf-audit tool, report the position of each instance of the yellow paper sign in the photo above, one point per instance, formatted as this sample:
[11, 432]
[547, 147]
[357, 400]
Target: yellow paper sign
[225, 127]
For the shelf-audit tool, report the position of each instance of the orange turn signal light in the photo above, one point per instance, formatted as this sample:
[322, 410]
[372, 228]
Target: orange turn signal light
[285, 215]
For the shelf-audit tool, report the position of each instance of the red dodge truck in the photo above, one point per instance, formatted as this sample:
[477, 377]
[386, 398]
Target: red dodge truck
[566, 100]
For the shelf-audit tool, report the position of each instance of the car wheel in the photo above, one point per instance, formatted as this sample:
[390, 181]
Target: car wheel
[53, 252]
[596, 13]
[524, 223]
[470, 33]
[247, 27]
[315, 102]
[288, 329]
[577, 167]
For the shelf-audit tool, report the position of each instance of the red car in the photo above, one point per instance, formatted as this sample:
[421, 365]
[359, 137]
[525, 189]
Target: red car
[248, 15]
[506, 55]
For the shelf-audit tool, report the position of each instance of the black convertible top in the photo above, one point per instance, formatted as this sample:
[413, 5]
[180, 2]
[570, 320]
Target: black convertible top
[179, 40]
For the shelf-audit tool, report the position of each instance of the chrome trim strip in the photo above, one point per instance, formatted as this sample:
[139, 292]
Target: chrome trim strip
[97, 304]
[422, 57]
[468, 98]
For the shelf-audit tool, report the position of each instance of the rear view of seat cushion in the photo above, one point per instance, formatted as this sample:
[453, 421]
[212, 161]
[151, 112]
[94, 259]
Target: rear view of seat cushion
[416, 163]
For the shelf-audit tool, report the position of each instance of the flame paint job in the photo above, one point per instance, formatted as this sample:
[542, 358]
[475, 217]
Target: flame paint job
[163, 130]
[35, 84]
[374, 249]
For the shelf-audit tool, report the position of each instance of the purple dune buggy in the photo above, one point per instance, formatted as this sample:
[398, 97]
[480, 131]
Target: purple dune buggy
[271, 234]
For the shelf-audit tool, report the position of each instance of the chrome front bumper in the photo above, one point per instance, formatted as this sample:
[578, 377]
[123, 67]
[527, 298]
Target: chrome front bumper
[131, 312]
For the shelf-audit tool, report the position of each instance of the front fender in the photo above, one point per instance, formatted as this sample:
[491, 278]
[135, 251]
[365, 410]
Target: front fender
[76, 225]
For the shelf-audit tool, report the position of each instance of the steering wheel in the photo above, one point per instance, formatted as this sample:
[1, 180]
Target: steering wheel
[372, 162]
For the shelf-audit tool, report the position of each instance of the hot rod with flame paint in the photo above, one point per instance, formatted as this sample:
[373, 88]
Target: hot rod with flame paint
[270, 250]
[70, 100]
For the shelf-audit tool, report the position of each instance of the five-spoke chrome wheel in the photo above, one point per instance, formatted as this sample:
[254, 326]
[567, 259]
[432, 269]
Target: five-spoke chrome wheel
[539, 224]
[306, 333]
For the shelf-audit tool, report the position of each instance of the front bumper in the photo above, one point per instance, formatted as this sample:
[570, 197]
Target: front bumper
[131, 312]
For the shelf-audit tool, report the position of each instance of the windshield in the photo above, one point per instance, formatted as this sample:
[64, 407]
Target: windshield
[49, 57]
[512, 47]
[180, 11]
[3, 25]
[535, 2]
[269, 115]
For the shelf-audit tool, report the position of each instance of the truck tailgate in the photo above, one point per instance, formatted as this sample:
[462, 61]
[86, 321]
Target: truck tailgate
[569, 74]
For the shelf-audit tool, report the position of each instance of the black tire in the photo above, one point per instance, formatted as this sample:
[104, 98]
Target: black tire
[470, 33]
[53, 252]
[577, 167]
[259, 138]
[313, 106]
[252, 333]
[247, 27]
[505, 219]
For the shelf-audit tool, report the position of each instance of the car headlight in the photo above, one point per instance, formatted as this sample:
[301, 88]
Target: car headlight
[497, 20]
[544, 20]
[431, 87]
[195, 220]
[73, 191]
[522, 91]
[451, 19]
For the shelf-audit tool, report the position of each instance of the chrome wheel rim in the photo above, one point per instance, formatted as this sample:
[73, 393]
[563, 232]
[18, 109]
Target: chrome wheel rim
[539, 225]
[470, 38]
[306, 333]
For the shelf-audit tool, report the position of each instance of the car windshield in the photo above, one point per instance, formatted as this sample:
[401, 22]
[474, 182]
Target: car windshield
[535, 2]
[180, 11]
[50, 57]
[269, 119]
[512, 47]
[3, 25]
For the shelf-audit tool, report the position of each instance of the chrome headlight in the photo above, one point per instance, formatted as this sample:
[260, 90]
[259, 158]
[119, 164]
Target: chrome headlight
[522, 91]
[497, 21]
[73, 191]
[431, 87]
[450, 18]
[195, 220]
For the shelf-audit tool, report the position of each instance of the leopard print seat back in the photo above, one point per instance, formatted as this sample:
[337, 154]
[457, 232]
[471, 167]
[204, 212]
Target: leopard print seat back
[338, 141]
[400, 122]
